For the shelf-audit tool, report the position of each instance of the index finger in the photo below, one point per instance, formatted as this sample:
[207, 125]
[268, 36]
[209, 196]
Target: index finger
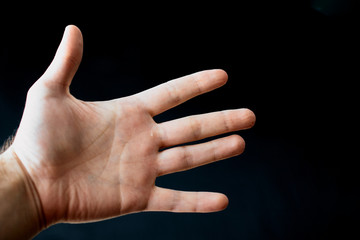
[172, 93]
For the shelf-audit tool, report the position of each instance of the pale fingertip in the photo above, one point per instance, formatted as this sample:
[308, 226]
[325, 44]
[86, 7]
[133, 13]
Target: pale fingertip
[72, 26]
[73, 29]
[223, 202]
[237, 144]
[217, 202]
[249, 117]
[220, 76]
[209, 80]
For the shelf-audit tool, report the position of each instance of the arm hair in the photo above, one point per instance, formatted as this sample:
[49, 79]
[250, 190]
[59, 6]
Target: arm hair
[7, 144]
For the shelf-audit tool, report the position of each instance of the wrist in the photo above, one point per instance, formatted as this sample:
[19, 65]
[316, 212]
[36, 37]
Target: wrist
[20, 205]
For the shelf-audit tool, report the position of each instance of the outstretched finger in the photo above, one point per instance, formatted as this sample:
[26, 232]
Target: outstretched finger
[187, 157]
[167, 200]
[201, 126]
[172, 93]
[67, 59]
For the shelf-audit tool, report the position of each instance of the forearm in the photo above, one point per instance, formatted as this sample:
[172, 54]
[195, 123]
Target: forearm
[20, 209]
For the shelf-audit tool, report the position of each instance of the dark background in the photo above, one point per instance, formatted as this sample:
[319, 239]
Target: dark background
[294, 63]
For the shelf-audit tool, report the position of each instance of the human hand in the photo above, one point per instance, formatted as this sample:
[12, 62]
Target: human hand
[95, 160]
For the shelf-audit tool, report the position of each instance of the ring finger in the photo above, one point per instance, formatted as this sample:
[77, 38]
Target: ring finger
[198, 127]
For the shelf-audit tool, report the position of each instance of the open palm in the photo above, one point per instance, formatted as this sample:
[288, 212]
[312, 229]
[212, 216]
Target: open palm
[94, 160]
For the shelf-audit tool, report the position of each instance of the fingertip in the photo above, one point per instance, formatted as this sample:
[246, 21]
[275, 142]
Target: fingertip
[248, 117]
[216, 202]
[220, 75]
[209, 80]
[238, 144]
[251, 117]
[221, 202]
[72, 27]
[73, 33]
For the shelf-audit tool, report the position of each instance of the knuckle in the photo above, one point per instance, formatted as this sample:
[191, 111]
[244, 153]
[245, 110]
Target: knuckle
[195, 126]
[197, 84]
[227, 121]
[172, 93]
[186, 158]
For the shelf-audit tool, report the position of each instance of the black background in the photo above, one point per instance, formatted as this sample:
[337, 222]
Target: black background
[292, 62]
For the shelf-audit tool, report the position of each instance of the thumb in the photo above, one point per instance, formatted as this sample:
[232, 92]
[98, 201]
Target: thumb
[67, 59]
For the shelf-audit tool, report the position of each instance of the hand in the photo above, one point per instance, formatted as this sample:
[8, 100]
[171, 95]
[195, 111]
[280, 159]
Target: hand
[94, 160]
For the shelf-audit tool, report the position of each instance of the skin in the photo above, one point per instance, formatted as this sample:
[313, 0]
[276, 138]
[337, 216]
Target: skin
[88, 161]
